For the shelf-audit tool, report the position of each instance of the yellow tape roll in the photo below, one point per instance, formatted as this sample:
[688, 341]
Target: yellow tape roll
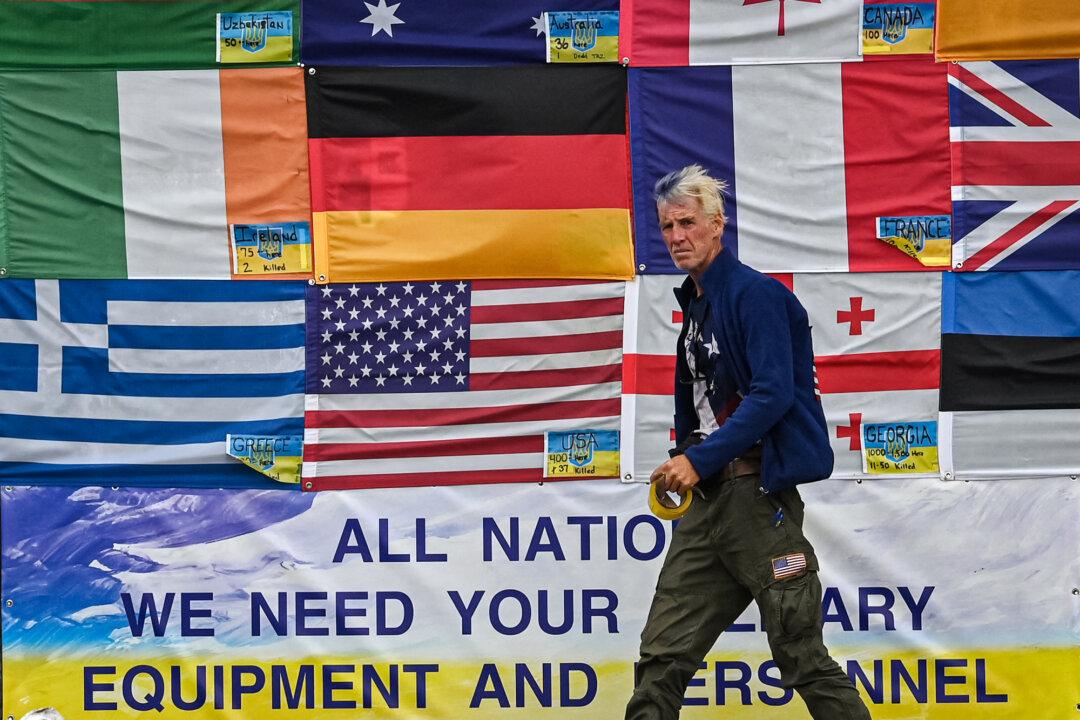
[661, 505]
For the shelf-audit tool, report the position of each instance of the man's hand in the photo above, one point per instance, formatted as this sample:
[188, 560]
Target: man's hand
[676, 475]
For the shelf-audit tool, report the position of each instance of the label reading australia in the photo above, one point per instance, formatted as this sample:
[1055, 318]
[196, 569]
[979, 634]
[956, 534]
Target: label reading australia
[254, 37]
[271, 249]
[588, 36]
[900, 448]
[927, 238]
[898, 28]
[581, 454]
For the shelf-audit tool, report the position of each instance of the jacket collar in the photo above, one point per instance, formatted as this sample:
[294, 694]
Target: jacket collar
[713, 278]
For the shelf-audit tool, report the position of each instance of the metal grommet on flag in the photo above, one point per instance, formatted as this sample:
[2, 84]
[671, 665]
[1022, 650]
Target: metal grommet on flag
[662, 506]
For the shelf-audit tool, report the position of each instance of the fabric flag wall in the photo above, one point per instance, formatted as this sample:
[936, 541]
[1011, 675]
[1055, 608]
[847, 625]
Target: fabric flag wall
[117, 34]
[451, 32]
[1016, 164]
[139, 174]
[723, 32]
[455, 382]
[1010, 380]
[131, 382]
[537, 156]
[814, 154]
[1006, 30]
[876, 340]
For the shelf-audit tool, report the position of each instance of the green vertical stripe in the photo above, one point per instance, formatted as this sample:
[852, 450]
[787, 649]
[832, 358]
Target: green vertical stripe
[63, 193]
[143, 34]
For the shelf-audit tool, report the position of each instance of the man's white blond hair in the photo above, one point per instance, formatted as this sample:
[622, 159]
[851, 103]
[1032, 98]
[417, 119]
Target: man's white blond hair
[692, 182]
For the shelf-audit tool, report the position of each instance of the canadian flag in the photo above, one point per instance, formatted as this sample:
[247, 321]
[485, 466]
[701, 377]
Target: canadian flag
[877, 340]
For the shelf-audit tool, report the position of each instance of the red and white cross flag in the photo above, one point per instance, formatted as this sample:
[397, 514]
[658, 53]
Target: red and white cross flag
[877, 340]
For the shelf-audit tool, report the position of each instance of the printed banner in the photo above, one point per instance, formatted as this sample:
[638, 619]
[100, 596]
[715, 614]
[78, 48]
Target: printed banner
[941, 600]
[140, 174]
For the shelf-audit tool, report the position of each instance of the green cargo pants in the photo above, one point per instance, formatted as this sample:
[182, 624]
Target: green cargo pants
[719, 560]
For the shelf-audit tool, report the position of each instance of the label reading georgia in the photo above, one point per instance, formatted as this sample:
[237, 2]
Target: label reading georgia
[900, 448]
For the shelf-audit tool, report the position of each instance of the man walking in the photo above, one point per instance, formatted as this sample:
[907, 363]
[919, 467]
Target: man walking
[749, 427]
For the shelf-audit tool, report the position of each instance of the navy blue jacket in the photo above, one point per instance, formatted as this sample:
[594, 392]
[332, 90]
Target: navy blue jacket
[765, 351]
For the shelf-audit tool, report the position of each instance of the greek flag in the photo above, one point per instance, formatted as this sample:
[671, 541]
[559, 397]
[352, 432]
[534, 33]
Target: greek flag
[131, 382]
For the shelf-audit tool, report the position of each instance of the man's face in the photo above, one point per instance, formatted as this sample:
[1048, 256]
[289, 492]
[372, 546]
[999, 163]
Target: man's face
[692, 237]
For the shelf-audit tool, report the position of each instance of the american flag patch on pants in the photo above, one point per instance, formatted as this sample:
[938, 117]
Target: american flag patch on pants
[787, 566]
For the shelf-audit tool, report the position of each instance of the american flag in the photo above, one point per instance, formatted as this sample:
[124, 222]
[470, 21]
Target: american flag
[449, 382]
[788, 566]
[1015, 141]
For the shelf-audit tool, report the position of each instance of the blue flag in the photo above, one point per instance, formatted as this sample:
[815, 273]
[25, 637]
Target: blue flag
[135, 382]
[450, 32]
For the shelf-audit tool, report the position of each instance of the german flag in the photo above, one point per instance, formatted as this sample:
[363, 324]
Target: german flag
[439, 173]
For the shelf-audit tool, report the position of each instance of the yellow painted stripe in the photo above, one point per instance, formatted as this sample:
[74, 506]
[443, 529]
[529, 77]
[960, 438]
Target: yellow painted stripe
[355, 246]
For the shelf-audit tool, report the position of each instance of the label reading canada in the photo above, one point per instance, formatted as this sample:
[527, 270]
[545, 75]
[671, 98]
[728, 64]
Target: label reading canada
[898, 28]
[271, 249]
[927, 238]
[581, 454]
[254, 37]
[900, 448]
[581, 37]
[278, 457]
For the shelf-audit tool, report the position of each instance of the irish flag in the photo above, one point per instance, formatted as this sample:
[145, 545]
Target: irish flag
[140, 174]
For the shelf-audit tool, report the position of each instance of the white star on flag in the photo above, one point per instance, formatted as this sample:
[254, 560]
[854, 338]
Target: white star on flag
[539, 25]
[382, 18]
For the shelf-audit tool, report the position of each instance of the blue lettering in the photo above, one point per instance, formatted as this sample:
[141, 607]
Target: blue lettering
[91, 687]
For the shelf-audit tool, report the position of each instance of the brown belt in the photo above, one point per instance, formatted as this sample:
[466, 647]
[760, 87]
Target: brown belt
[739, 467]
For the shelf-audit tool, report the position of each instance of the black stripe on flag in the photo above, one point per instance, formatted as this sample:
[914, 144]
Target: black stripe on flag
[425, 102]
[1001, 372]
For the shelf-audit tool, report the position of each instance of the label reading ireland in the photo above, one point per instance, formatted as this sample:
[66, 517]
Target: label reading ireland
[254, 37]
[900, 448]
[927, 238]
[581, 454]
[582, 36]
[898, 28]
[277, 457]
[271, 249]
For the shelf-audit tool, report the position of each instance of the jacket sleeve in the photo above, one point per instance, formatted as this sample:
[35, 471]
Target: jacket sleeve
[766, 340]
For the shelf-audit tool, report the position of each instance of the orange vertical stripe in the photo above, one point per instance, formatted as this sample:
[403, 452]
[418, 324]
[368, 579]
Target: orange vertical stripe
[264, 137]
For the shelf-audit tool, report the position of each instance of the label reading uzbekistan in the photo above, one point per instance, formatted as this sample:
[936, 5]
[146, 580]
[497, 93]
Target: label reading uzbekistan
[278, 457]
[271, 249]
[581, 454]
[254, 37]
[900, 448]
[582, 36]
[927, 238]
[898, 28]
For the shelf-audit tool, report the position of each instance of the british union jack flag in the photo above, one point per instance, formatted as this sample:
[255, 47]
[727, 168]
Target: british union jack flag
[1015, 132]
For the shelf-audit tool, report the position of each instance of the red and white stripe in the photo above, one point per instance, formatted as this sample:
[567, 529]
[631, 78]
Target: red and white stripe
[545, 356]
[1032, 162]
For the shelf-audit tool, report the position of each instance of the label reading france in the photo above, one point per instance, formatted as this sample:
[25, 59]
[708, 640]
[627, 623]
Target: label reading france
[900, 448]
[927, 238]
[271, 249]
[898, 28]
[581, 454]
[582, 36]
[254, 37]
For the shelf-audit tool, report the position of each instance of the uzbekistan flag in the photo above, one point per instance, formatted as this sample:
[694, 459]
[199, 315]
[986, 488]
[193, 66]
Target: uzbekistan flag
[145, 34]
[139, 174]
[437, 173]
